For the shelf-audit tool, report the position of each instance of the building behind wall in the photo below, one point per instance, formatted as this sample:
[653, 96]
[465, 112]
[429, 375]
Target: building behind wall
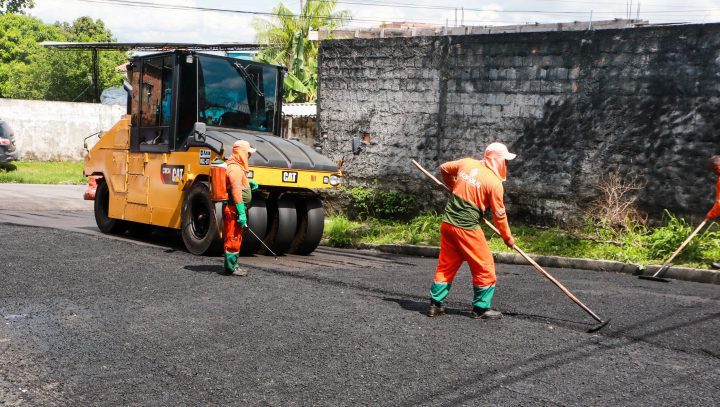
[300, 122]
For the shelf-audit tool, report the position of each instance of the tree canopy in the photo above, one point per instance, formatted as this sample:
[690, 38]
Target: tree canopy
[31, 71]
[15, 6]
[284, 40]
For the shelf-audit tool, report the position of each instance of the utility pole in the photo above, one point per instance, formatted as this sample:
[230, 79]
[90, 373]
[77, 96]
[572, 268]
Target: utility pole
[95, 76]
[301, 7]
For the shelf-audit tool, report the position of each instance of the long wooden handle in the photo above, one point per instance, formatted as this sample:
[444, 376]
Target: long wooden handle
[432, 177]
[547, 275]
[682, 246]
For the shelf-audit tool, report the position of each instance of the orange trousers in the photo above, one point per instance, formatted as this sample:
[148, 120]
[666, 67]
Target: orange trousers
[458, 245]
[232, 236]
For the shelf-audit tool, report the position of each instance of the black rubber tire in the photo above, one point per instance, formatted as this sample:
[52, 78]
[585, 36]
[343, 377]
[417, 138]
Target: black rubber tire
[311, 224]
[284, 226]
[258, 222]
[199, 227]
[105, 223]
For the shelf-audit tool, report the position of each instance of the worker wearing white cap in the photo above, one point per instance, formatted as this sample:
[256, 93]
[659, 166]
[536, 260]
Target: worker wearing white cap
[240, 194]
[476, 186]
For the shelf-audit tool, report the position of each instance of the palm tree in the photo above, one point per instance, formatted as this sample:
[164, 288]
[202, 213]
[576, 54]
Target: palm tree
[285, 42]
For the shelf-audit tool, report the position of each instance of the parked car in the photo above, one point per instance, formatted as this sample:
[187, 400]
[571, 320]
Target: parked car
[8, 151]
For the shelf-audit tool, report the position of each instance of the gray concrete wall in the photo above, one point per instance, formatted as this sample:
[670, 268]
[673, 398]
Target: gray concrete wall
[55, 130]
[574, 105]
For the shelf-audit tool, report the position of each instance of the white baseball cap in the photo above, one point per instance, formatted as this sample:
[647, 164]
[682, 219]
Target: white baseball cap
[244, 145]
[501, 150]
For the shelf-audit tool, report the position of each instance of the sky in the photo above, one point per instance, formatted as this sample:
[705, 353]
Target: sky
[149, 24]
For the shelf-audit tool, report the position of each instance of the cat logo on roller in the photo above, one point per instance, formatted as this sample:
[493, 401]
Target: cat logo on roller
[172, 174]
[289, 176]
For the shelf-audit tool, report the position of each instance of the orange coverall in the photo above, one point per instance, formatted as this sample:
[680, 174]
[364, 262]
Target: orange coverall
[715, 211]
[475, 188]
[238, 187]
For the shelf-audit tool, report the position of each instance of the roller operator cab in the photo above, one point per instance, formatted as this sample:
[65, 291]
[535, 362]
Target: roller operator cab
[186, 109]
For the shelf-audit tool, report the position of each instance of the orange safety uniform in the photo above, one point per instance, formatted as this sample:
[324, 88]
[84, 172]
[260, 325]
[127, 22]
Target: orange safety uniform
[715, 211]
[238, 187]
[476, 186]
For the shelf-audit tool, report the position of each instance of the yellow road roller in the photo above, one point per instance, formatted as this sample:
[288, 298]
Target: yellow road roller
[184, 110]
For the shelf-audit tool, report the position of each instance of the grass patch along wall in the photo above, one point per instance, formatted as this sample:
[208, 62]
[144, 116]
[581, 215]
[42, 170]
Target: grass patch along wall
[638, 245]
[34, 172]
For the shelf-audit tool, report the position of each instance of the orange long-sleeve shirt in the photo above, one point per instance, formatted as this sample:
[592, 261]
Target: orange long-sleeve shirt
[715, 211]
[238, 184]
[475, 188]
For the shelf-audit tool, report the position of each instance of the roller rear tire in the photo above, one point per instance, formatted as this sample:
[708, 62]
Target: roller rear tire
[199, 226]
[311, 224]
[257, 221]
[284, 226]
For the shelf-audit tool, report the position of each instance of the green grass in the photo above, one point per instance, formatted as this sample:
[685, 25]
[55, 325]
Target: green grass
[31, 172]
[637, 245]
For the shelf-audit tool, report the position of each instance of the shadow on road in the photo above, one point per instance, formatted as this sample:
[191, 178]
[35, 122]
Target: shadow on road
[205, 268]
[155, 235]
[422, 306]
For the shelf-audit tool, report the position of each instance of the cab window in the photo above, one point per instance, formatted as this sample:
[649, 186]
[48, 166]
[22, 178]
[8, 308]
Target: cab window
[236, 94]
[154, 97]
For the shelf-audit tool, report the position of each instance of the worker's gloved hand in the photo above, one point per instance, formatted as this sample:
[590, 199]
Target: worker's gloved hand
[253, 185]
[510, 242]
[242, 216]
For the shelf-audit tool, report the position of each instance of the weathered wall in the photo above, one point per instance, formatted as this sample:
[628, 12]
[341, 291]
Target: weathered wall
[573, 105]
[55, 130]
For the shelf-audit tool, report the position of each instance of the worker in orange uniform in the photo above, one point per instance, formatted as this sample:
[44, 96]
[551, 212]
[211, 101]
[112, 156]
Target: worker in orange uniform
[234, 212]
[476, 186]
[715, 211]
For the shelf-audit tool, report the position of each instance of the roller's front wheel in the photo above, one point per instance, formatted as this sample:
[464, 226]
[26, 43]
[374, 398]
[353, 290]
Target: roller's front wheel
[105, 223]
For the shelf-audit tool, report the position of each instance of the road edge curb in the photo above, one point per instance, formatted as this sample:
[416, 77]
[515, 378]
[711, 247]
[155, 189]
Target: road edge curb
[677, 273]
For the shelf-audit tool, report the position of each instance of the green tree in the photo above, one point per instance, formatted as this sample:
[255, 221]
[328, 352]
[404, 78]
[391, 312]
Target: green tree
[285, 42]
[15, 6]
[31, 71]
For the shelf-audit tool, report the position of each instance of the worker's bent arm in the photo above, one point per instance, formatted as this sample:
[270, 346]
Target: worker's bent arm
[715, 211]
[449, 171]
[497, 206]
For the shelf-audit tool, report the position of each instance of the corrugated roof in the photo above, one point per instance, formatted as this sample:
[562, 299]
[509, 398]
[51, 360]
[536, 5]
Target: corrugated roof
[300, 109]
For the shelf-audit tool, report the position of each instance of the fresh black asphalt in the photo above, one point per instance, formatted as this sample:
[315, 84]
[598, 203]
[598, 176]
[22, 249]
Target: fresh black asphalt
[87, 320]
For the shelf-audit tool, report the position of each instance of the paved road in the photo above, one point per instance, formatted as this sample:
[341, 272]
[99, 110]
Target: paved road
[85, 319]
[30, 197]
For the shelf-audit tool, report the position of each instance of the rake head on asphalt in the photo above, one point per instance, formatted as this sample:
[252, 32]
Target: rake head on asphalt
[599, 326]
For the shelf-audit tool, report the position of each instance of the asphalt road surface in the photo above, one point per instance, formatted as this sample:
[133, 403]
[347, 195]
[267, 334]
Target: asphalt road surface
[91, 320]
